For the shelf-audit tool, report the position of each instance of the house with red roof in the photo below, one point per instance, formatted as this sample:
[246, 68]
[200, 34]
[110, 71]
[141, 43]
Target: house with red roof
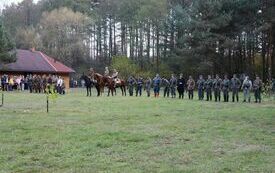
[36, 62]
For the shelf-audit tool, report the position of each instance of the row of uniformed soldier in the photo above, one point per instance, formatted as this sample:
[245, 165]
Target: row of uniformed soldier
[209, 86]
[225, 85]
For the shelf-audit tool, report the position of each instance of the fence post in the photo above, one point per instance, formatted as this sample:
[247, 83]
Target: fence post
[47, 104]
[2, 100]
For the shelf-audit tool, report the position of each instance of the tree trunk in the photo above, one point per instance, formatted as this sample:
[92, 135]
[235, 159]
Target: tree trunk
[110, 41]
[148, 41]
[131, 42]
[115, 48]
[273, 51]
[263, 54]
[123, 38]
[158, 49]
[140, 43]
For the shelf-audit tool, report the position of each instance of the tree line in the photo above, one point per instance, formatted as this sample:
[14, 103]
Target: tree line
[181, 36]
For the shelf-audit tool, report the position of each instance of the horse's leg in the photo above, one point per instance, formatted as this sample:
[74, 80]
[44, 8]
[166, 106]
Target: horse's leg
[102, 90]
[98, 91]
[90, 90]
[87, 88]
[122, 90]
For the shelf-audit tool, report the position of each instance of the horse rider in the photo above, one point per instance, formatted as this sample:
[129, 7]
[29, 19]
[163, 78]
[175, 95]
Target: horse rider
[106, 72]
[115, 76]
[91, 74]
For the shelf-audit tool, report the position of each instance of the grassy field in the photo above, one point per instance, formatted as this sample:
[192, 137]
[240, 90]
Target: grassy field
[129, 134]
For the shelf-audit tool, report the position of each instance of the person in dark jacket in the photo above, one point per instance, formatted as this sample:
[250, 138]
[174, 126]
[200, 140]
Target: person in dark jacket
[217, 86]
[166, 85]
[139, 86]
[173, 85]
[257, 87]
[190, 87]
[225, 88]
[200, 84]
[235, 87]
[181, 85]
[131, 82]
[208, 88]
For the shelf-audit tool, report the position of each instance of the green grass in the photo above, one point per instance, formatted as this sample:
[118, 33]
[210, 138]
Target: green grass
[129, 134]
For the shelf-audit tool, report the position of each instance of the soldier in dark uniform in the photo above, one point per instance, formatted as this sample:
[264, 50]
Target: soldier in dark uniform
[50, 83]
[157, 83]
[30, 83]
[3, 82]
[208, 88]
[166, 85]
[190, 87]
[273, 86]
[200, 84]
[35, 83]
[148, 84]
[131, 82]
[235, 86]
[173, 85]
[257, 86]
[217, 84]
[225, 88]
[139, 86]
[44, 83]
[181, 85]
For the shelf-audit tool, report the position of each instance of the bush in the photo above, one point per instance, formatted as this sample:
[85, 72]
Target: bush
[124, 66]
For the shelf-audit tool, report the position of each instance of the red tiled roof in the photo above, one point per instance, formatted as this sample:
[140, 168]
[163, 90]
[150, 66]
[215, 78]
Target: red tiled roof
[36, 61]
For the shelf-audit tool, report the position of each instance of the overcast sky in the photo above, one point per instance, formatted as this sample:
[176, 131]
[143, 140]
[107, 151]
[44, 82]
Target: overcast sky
[8, 2]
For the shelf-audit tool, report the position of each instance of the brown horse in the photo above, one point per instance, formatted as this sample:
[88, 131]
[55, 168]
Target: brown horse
[103, 81]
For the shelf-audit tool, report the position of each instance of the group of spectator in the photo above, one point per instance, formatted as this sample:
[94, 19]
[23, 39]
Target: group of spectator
[33, 83]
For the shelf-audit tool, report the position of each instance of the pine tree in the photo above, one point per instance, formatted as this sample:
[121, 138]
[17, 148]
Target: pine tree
[7, 47]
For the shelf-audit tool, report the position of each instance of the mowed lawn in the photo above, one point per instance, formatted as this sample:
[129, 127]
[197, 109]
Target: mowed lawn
[129, 134]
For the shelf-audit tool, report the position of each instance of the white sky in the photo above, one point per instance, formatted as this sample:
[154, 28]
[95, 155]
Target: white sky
[8, 2]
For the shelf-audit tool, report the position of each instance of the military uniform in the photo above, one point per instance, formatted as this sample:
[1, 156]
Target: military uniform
[30, 83]
[131, 82]
[4, 79]
[246, 86]
[208, 89]
[273, 86]
[257, 86]
[156, 83]
[181, 85]
[166, 85]
[148, 84]
[235, 86]
[139, 87]
[225, 89]
[173, 85]
[217, 84]
[200, 84]
[190, 87]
